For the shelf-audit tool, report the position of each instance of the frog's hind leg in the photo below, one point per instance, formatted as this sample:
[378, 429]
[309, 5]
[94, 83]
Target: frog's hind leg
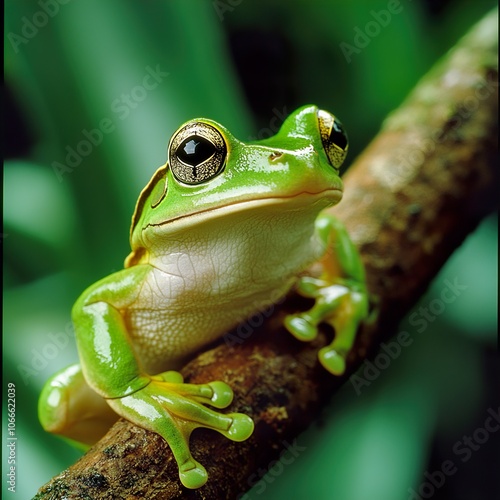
[70, 408]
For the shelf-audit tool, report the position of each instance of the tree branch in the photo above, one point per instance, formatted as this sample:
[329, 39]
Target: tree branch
[410, 199]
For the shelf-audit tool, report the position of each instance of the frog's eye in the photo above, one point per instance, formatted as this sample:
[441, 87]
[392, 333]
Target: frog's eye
[197, 153]
[333, 137]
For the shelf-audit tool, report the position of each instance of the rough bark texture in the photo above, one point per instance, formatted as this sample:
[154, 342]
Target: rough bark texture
[410, 199]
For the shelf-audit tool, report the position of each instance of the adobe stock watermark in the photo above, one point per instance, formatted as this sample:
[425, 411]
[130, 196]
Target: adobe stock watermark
[248, 325]
[11, 438]
[420, 320]
[121, 107]
[274, 125]
[408, 162]
[464, 449]
[363, 36]
[223, 6]
[31, 27]
[265, 476]
[40, 358]
[427, 314]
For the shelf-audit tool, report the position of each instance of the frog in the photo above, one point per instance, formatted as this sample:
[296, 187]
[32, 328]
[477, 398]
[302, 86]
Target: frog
[224, 228]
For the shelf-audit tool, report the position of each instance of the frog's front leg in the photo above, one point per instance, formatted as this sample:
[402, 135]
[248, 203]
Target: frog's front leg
[161, 403]
[340, 294]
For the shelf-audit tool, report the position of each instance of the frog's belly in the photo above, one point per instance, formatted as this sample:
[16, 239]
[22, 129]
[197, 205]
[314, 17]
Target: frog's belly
[216, 277]
[170, 323]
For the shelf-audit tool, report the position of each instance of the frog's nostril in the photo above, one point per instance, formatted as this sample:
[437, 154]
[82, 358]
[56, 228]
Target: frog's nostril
[275, 156]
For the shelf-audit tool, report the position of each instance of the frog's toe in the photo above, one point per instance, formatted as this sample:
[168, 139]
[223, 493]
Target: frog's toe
[222, 394]
[300, 327]
[241, 427]
[308, 287]
[333, 360]
[192, 474]
[172, 377]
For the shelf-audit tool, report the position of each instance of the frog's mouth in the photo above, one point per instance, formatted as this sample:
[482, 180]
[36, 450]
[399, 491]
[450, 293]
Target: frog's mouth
[316, 201]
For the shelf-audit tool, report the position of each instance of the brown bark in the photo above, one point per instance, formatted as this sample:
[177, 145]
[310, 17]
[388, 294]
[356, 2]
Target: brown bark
[410, 199]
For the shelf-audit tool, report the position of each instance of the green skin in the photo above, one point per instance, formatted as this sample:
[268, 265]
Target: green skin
[204, 256]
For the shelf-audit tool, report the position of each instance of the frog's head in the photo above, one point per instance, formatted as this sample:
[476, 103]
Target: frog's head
[210, 174]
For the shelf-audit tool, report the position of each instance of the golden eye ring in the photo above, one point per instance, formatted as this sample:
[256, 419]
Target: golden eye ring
[197, 153]
[333, 137]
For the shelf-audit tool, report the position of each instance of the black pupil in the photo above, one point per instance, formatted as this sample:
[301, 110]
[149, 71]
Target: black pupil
[195, 150]
[338, 135]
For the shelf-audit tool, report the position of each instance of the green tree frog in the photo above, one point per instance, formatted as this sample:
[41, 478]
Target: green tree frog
[223, 228]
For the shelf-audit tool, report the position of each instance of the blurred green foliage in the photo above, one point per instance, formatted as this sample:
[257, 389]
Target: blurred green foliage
[84, 135]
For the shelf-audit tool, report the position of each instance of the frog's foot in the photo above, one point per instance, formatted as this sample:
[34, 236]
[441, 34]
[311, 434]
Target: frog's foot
[174, 409]
[341, 305]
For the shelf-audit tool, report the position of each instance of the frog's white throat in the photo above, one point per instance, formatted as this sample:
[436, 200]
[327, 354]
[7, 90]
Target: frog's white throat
[263, 245]
[208, 279]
